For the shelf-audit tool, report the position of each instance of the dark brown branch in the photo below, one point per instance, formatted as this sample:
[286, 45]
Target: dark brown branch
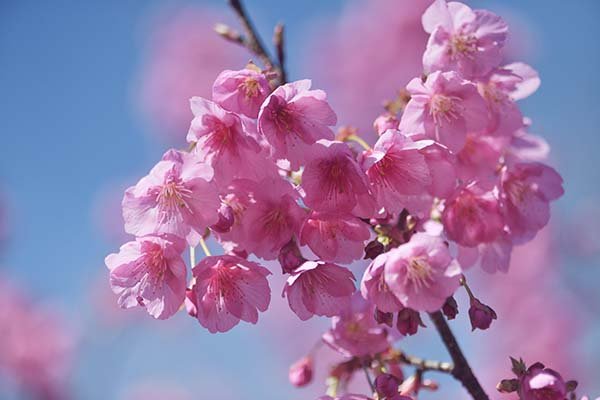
[461, 371]
[427, 365]
[278, 41]
[252, 39]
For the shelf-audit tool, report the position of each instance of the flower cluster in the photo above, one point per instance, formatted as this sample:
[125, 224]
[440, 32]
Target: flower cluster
[453, 180]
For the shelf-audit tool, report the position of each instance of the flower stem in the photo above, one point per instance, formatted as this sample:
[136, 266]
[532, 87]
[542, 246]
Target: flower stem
[204, 247]
[462, 370]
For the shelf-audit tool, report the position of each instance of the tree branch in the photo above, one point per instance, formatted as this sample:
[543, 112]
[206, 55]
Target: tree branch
[427, 365]
[278, 40]
[252, 40]
[462, 370]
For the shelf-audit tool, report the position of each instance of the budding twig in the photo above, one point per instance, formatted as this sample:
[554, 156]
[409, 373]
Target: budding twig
[251, 40]
[427, 365]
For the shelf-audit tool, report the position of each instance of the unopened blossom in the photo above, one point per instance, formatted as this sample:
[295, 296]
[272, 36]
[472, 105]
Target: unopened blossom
[463, 40]
[473, 216]
[396, 169]
[273, 219]
[334, 182]
[290, 257]
[241, 91]
[228, 289]
[481, 315]
[384, 122]
[149, 272]
[528, 189]
[387, 385]
[221, 139]
[319, 288]
[445, 108]
[374, 287]
[176, 197]
[450, 308]
[335, 237]
[408, 322]
[293, 117]
[301, 372]
[421, 273]
[542, 383]
[355, 333]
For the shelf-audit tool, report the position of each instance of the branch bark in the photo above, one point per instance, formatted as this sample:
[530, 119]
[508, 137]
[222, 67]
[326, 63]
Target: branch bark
[462, 370]
[427, 365]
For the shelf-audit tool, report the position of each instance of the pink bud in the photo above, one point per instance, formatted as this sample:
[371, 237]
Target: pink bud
[301, 372]
[409, 321]
[373, 249]
[226, 219]
[386, 318]
[290, 257]
[387, 385]
[481, 315]
[542, 383]
[384, 122]
[450, 308]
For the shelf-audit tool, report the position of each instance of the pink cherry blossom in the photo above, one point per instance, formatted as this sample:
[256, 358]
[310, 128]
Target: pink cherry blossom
[301, 372]
[384, 122]
[228, 289]
[149, 272]
[528, 189]
[335, 237]
[473, 216]
[355, 333]
[542, 383]
[272, 219]
[478, 160]
[294, 117]
[375, 289]
[421, 273]
[221, 138]
[176, 197]
[319, 288]
[445, 107]
[334, 182]
[442, 168]
[241, 91]
[396, 169]
[463, 40]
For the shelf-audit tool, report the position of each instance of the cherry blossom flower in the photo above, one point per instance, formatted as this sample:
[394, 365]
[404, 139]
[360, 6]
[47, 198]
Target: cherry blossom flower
[421, 273]
[334, 237]
[396, 169]
[445, 107]
[334, 182]
[319, 288]
[294, 117]
[463, 40]
[273, 219]
[176, 197]
[149, 272]
[241, 91]
[528, 189]
[375, 289]
[227, 289]
[539, 382]
[355, 333]
[473, 216]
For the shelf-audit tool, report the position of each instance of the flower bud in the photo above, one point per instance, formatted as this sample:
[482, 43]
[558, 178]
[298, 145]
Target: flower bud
[450, 308]
[387, 385]
[226, 219]
[301, 372]
[539, 382]
[409, 321]
[290, 257]
[384, 122]
[386, 318]
[373, 249]
[481, 315]
[508, 385]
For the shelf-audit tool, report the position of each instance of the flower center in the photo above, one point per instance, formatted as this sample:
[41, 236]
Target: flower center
[173, 196]
[462, 45]
[418, 273]
[445, 108]
[250, 87]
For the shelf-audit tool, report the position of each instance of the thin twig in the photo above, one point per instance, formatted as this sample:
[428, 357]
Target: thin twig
[252, 40]
[427, 365]
[369, 378]
[279, 42]
[462, 370]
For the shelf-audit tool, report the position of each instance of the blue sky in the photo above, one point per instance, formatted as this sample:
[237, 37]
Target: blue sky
[69, 128]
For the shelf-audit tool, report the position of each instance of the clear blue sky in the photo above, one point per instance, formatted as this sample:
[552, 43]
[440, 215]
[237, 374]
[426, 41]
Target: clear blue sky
[68, 128]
